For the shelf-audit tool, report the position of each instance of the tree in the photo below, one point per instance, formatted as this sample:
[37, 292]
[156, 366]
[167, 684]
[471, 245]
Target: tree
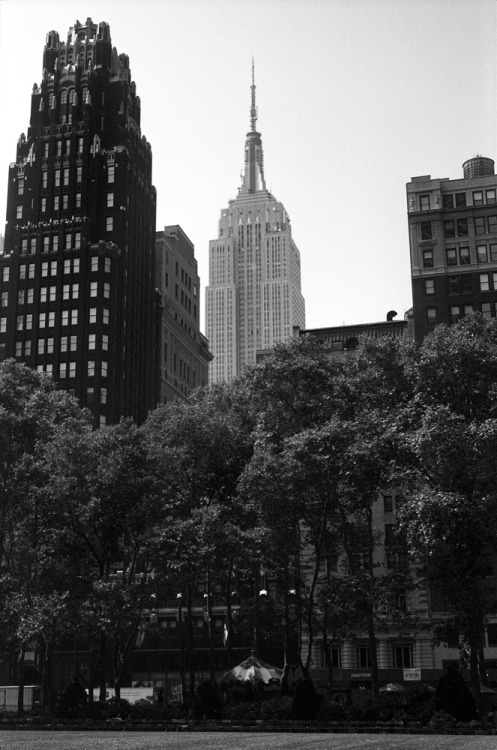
[450, 460]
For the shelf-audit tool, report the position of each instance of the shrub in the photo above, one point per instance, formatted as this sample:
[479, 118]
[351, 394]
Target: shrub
[277, 708]
[208, 701]
[454, 697]
[331, 712]
[243, 711]
[442, 720]
[305, 700]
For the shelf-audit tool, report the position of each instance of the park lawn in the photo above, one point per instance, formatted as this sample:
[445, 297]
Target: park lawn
[47, 740]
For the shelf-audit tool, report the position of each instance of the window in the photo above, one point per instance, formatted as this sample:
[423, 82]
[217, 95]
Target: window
[427, 260]
[363, 657]
[24, 246]
[460, 200]
[5, 299]
[105, 342]
[65, 202]
[41, 346]
[484, 282]
[44, 179]
[78, 200]
[51, 319]
[429, 286]
[490, 196]
[42, 320]
[22, 271]
[75, 265]
[30, 296]
[402, 656]
[18, 348]
[29, 323]
[107, 265]
[478, 198]
[74, 317]
[388, 503]
[75, 291]
[481, 253]
[46, 243]
[67, 266]
[451, 256]
[448, 201]
[63, 370]
[68, 241]
[56, 181]
[93, 288]
[425, 230]
[110, 200]
[109, 223]
[43, 205]
[66, 291]
[431, 316]
[66, 176]
[77, 240]
[93, 315]
[91, 368]
[453, 284]
[464, 258]
[63, 343]
[466, 283]
[20, 186]
[53, 293]
[479, 225]
[79, 174]
[3, 325]
[64, 318]
[468, 309]
[19, 211]
[424, 202]
[106, 289]
[43, 293]
[32, 246]
[5, 274]
[103, 395]
[72, 369]
[56, 203]
[105, 316]
[19, 322]
[455, 313]
[110, 174]
[492, 634]
[94, 263]
[102, 420]
[449, 229]
[55, 243]
[492, 224]
[104, 369]
[90, 395]
[73, 343]
[91, 340]
[462, 227]
[20, 297]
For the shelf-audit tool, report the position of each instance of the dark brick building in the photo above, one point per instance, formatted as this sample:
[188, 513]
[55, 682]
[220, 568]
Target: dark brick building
[77, 273]
[453, 241]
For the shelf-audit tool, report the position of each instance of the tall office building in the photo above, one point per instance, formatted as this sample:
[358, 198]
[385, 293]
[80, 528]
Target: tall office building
[77, 273]
[253, 300]
[183, 350]
[453, 240]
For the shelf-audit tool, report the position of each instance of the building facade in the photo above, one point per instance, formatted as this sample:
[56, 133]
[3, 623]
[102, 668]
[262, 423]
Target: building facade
[183, 349]
[453, 242]
[77, 271]
[254, 298]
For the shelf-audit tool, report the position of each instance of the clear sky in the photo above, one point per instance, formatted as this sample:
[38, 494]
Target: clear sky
[354, 98]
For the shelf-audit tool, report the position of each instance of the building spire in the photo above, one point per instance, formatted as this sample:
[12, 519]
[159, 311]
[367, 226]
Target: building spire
[253, 108]
[253, 177]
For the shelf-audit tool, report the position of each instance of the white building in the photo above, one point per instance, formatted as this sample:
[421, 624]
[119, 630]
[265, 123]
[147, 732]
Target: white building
[253, 300]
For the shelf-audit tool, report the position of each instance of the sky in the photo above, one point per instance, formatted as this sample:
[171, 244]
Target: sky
[354, 98]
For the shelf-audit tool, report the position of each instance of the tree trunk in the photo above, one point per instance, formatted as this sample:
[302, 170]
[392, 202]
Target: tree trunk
[209, 624]
[20, 679]
[101, 667]
[229, 612]
[191, 660]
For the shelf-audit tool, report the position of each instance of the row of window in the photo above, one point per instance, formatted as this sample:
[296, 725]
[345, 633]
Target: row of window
[462, 255]
[50, 268]
[456, 312]
[459, 227]
[458, 200]
[47, 320]
[68, 370]
[49, 294]
[67, 344]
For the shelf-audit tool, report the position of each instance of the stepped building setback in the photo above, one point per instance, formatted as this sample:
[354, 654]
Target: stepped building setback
[77, 271]
[253, 300]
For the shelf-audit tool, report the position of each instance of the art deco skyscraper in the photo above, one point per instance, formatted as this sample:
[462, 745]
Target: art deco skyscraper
[77, 273]
[253, 300]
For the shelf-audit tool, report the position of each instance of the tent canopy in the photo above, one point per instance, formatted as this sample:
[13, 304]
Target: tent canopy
[253, 669]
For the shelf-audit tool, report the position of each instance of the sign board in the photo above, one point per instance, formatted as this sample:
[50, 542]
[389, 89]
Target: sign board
[412, 675]
[360, 676]
[132, 694]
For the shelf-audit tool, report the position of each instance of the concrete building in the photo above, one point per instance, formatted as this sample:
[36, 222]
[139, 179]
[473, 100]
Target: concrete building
[183, 349]
[77, 271]
[253, 300]
[453, 241]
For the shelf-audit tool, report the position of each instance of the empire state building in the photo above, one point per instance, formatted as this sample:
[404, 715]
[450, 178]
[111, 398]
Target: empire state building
[253, 300]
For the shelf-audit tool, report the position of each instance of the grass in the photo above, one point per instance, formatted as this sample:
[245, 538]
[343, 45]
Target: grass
[46, 740]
